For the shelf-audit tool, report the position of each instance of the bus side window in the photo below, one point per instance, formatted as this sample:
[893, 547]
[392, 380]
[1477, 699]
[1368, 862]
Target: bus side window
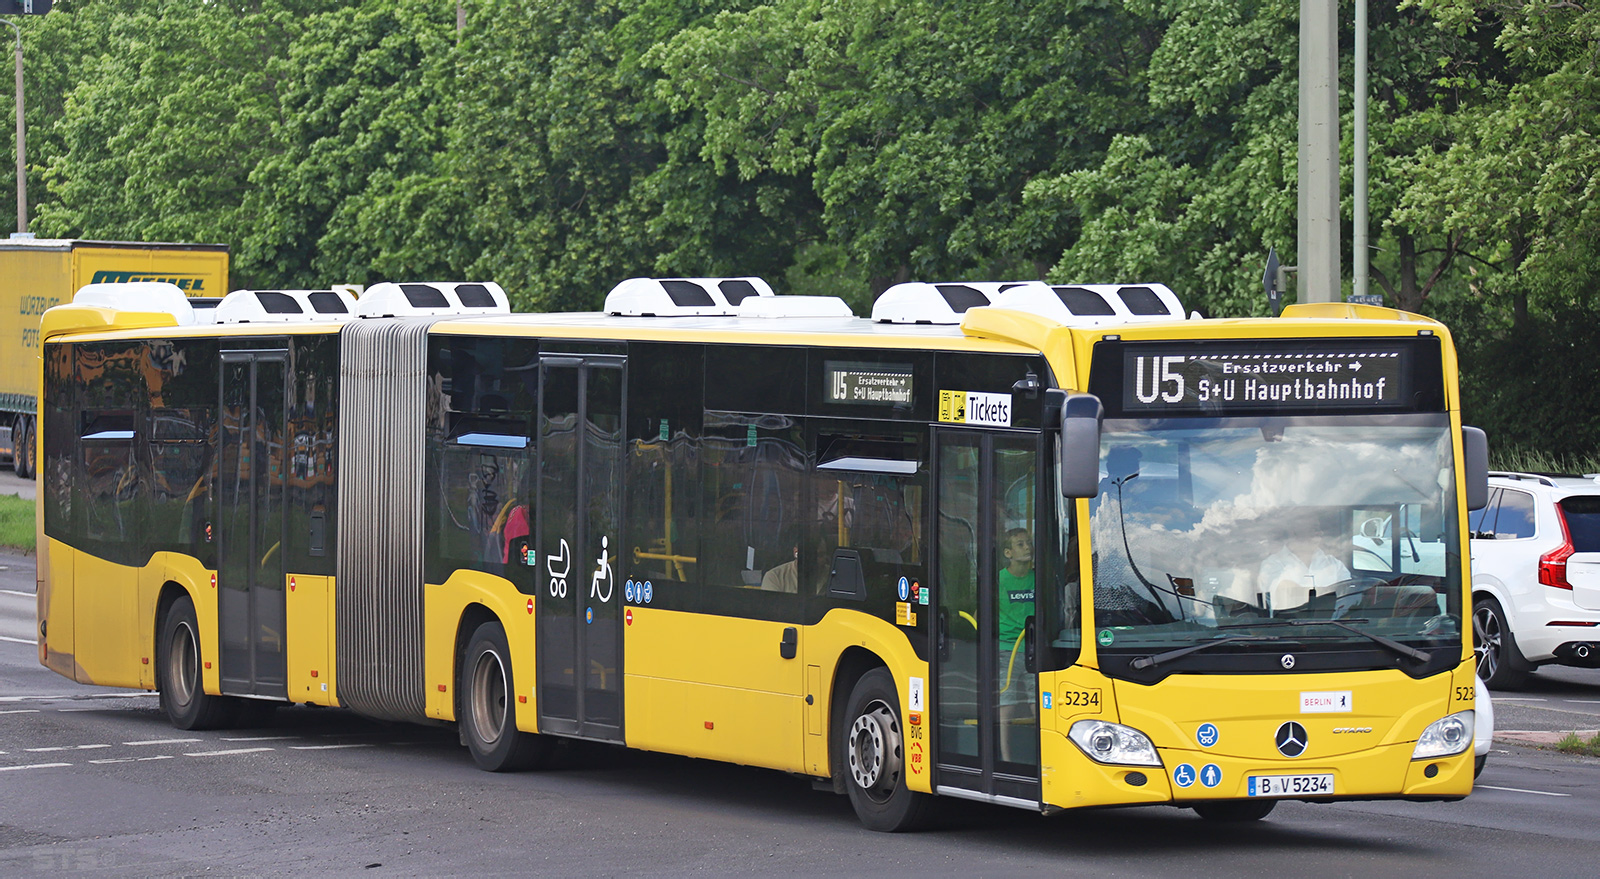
[752, 469]
[481, 422]
[58, 440]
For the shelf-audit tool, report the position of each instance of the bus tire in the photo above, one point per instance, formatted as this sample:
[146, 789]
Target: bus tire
[1235, 811]
[178, 673]
[1499, 660]
[488, 715]
[871, 744]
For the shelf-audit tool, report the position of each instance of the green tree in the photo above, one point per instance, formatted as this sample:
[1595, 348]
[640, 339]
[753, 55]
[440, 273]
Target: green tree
[916, 125]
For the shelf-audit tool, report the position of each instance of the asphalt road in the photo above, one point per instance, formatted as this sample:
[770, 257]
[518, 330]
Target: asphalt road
[94, 781]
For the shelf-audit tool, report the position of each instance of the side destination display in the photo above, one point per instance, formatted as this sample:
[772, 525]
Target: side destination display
[1140, 379]
[876, 384]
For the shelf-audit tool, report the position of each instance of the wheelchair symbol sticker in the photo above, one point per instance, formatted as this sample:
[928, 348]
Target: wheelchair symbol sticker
[1206, 735]
[1183, 776]
[1211, 775]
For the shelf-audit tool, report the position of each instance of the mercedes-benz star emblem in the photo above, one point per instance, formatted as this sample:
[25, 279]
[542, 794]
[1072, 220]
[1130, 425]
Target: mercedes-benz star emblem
[1287, 660]
[1291, 739]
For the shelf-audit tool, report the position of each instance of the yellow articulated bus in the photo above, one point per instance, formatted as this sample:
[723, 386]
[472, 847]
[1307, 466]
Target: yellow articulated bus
[1043, 546]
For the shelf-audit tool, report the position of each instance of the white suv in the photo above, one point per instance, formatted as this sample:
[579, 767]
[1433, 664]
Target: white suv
[1536, 575]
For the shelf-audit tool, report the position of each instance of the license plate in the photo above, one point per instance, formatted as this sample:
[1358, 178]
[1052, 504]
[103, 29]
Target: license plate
[1290, 785]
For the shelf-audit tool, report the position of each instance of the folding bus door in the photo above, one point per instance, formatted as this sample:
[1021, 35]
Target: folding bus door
[985, 691]
[251, 473]
[579, 528]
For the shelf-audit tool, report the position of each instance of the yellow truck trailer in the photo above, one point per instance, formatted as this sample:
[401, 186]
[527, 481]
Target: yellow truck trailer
[37, 273]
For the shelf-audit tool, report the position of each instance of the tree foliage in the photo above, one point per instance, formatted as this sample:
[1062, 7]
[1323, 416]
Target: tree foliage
[833, 146]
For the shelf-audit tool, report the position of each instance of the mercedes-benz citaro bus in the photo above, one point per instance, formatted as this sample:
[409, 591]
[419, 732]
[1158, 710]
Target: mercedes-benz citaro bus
[1044, 546]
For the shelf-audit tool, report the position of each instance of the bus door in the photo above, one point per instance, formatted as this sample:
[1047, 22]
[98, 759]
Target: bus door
[579, 546]
[985, 692]
[250, 506]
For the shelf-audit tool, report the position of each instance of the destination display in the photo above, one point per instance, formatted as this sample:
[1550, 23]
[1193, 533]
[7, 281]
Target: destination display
[876, 384]
[1269, 376]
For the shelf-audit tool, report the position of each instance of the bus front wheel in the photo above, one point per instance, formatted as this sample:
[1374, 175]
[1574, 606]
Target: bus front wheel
[873, 749]
[488, 710]
[178, 675]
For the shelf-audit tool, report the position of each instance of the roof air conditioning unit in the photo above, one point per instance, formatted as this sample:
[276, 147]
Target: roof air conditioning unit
[683, 297]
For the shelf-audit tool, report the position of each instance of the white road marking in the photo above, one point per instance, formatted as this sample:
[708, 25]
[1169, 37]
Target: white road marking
[71, 697]
[33, 766]
[157, 757]
[226, 753]
[162, 742]
[258, 738]
[16, 591]
[20, 711]
[1518, 699]
[1573, 701]
[68, 748]
[325, 747]
[1518, 790]
[18, 640]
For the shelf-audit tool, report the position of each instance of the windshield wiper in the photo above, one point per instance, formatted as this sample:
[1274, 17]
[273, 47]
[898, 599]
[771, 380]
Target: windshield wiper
[1144, 662]
[1403, 649]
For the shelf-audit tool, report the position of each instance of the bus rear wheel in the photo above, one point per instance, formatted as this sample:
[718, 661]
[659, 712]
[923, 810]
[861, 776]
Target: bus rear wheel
[873, 751]
[178, 673]
[488, 709]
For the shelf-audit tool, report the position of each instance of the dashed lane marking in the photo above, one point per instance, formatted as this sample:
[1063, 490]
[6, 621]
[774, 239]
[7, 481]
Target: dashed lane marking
[76, 697]
[1518, 790]
[33, 766]
[18, 640]
[20, 711]
[131, 759]
[162, 742]
[258, 738]
[67, 748]
[326, 747]
[226, 753]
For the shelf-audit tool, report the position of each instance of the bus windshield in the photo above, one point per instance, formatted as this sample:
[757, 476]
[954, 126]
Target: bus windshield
[1314, 533]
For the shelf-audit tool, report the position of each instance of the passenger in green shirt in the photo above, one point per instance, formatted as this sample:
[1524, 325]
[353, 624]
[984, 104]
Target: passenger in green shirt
[1015, 586]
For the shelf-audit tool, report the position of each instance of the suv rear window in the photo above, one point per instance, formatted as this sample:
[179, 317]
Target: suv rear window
[1583, 522]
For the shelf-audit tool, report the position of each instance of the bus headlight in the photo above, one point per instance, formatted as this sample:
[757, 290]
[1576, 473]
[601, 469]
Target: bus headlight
[1445, 736]
[1114, 743]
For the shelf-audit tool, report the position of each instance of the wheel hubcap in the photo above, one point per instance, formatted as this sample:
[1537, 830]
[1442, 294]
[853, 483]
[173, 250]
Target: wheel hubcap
[874, 752]
[1487, 632]
[488, 697]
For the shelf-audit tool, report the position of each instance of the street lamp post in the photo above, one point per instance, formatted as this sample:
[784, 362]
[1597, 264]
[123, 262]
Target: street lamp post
[22, 143]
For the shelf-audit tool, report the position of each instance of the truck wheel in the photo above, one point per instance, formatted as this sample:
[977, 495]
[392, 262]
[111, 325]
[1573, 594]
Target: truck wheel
[178, 675]
[30, 448]
[488, 706]
[872, 746]
[1496, 647]
[19, 446]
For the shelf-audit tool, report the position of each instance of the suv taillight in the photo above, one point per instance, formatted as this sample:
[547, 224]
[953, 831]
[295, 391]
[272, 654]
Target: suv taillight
[1553, 564]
